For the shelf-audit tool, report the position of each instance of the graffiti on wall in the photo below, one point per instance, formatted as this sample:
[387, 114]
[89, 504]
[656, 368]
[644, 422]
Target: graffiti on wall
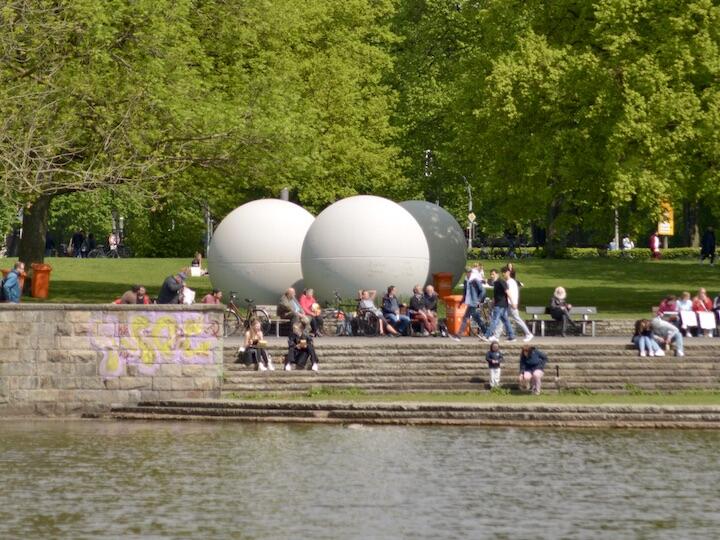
[149, 339]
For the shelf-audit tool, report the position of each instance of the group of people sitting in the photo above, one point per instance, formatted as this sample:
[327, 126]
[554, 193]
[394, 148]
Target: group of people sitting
[676, 319]
[394, 318]
[301, 350]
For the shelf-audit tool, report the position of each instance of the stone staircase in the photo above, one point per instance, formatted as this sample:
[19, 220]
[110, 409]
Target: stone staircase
[532, 415]
[381, 365]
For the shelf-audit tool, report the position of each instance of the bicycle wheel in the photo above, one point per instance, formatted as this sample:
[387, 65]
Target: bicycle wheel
[123, 251]
[262, 316]
[231, 323]
[370, 324]
[96, 253]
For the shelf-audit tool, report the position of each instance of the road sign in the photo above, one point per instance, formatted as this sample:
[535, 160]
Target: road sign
[471, 217]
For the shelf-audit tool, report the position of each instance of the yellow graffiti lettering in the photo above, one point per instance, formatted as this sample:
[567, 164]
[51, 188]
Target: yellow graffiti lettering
[139, 328]
[164, 334]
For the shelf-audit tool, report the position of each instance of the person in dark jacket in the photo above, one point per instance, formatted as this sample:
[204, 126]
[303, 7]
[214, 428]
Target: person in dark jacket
[707, 246]
[11, 283]
[418, 311]
[473, 298]
[494, 359]
[532, 368]
[300, 349]
[391, 311]
[171, 289]
[559, 310]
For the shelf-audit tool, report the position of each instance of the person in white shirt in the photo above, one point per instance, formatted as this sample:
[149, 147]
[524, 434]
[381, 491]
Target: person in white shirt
[513, 295]
[627, 243]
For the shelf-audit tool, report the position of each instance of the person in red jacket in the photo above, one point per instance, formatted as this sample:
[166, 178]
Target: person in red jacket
[702, 303]
[655, 246]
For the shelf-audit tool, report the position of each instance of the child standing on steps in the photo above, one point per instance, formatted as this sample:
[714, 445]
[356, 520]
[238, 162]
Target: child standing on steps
[494, 360]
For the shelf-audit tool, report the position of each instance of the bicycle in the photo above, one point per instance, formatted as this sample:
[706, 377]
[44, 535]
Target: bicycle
[234, 318]
[102, 252]
[342, 320]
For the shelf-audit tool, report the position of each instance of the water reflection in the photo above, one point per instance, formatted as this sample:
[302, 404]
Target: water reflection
[197, 480]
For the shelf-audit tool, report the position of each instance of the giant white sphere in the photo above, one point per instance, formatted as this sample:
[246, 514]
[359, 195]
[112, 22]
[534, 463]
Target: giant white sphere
[364, 242]
[445, 238]
[255, 250]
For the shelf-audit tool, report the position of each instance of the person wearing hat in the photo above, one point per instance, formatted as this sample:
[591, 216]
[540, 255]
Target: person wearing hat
[171, 288]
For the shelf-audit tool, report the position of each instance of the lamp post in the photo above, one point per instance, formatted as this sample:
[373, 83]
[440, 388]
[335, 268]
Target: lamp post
[471, 215]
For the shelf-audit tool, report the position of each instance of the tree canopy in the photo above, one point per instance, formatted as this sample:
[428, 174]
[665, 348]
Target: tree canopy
[556, 114]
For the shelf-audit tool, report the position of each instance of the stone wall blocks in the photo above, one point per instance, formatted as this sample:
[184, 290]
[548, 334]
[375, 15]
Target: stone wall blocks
[78, 316]
[86, 370]
[64, 329]
[182, 383]
[133, 383]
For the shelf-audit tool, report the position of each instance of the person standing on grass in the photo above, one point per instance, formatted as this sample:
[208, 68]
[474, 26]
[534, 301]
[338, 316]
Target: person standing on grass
[473, 297]
[655, 246]
[513, 294]
[11, 284]
[500, 307]
[707, 246]
[532, 368]
[494, 359]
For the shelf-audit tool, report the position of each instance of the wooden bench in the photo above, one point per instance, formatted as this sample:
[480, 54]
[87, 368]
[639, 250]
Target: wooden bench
[585, 311]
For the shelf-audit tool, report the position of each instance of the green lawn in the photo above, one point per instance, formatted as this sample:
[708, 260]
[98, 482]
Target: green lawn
[619, 288]
[103, 280]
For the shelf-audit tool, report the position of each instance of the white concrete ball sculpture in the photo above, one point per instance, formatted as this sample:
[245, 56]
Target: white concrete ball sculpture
[364, 242]
[445, 238]
[255, 250]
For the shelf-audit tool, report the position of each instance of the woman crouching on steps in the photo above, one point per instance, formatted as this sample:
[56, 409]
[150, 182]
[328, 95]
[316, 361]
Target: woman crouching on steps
[532, 368]
[644, 340]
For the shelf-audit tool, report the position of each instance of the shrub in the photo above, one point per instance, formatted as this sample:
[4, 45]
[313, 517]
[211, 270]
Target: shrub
[587, 253]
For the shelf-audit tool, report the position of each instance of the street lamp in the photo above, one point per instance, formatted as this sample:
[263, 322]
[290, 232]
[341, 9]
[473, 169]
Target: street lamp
[471, 214]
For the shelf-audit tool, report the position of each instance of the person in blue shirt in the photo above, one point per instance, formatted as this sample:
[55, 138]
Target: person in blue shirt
[473, 297]
[532, 368]
[11, 283]
[391, 312]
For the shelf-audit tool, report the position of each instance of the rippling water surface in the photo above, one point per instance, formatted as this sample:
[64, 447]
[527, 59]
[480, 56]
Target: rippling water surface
[88, 479]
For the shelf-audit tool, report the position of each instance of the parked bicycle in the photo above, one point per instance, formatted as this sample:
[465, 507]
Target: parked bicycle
[234, 316]
[104, 252]
[341, 319]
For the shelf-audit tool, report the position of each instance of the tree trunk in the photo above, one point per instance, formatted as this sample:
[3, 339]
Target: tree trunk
[555, 241]
[32, 243]
[691, 233]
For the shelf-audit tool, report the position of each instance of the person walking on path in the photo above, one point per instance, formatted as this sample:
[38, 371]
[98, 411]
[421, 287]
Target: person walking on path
[11, 284]
[473, 297]
[514, 306]
[532, 368]
[494, 359]
[707, 246]
[500, 309]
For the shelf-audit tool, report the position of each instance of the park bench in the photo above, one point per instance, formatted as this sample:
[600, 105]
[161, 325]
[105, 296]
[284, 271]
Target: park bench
[276, 321]
[538, 311]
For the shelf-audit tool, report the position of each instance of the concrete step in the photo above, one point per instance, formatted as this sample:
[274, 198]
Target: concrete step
[410, 413]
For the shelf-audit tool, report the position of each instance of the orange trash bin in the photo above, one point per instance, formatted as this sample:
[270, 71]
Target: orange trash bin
[443, 283]
[454, 311]
[40, 285]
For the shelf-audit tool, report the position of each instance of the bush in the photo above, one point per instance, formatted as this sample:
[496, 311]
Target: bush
[587, 253]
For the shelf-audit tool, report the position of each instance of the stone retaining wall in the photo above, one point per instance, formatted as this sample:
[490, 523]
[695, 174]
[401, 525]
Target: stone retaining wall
[71, 359]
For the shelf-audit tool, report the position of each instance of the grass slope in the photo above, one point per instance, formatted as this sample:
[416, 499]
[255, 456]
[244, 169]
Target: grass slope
[619, 288]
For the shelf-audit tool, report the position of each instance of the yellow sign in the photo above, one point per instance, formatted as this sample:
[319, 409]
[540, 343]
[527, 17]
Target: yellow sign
[666, 225]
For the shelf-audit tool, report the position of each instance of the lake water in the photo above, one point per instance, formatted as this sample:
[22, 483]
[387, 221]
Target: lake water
[94, 479]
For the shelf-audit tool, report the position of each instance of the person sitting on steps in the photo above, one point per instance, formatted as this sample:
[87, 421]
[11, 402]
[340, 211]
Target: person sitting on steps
[255, 351]
[300, 349]
[644, 340]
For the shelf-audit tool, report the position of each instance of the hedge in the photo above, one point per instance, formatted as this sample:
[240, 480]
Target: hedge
[585, 253]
